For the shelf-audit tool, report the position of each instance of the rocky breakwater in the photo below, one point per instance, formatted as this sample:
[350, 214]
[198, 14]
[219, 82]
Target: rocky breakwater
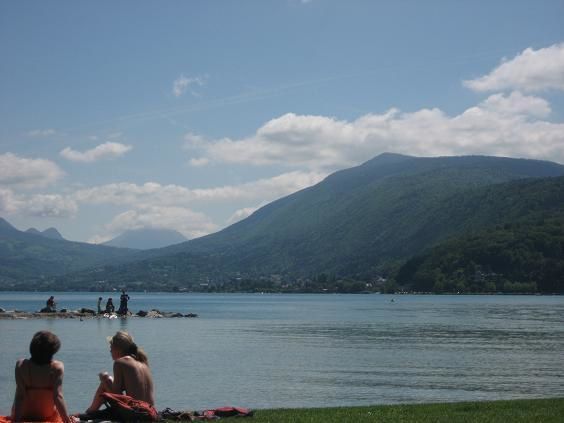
[157, 314]
[86, 313]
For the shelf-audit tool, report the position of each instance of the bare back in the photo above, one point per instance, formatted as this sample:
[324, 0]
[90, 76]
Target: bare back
[134, 378]
[36, 386]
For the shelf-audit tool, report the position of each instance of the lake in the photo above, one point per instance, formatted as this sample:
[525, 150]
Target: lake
[267, 351]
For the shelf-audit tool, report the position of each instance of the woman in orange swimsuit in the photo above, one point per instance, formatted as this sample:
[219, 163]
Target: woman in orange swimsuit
[39, 383]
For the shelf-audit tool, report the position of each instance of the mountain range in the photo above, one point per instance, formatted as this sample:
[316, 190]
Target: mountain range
[360, 223]
[27, 257]
[48, 233]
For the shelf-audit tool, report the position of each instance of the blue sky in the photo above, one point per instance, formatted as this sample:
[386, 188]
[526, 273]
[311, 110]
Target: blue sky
[191, 114]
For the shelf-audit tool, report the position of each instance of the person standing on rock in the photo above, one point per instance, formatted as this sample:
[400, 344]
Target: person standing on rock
[99, 305]
[123, 299]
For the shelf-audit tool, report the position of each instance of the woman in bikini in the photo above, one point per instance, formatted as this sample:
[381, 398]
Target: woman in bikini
[39, 383]
[132, 374]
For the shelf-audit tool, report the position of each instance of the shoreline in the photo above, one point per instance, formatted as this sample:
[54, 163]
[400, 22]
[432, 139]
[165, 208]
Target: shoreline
[399, 293]
[88, 315]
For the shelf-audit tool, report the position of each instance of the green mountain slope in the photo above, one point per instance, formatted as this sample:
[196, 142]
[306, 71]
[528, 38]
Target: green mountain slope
[523, 256]
[356, 223]
[27, 256]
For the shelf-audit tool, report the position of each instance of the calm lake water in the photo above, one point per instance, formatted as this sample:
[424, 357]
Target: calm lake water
[309, 350]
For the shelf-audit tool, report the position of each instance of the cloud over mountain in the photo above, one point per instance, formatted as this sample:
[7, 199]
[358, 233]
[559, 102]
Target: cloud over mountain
[37, 205]
[19, 174]
[190, 223]
[242, 214]
[503, 124]
[175, 206]
[152, 193]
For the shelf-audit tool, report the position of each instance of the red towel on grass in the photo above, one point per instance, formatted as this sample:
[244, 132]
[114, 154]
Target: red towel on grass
[8, 419]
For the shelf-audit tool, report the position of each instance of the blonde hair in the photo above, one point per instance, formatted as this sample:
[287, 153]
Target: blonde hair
[124, 342]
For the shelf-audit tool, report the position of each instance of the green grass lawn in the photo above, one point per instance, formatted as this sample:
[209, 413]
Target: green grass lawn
[530, 411]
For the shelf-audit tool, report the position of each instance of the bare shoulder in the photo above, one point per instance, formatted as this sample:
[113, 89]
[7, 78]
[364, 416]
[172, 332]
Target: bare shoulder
[20, 364]
[124, 362]
[57, 366]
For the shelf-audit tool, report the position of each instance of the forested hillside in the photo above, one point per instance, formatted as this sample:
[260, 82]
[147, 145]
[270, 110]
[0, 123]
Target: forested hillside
[525, 256]
[360, 224]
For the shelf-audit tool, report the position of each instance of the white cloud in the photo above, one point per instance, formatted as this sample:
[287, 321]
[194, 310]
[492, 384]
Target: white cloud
[509, 125]
[242, 214]
[20, 172]
[198, 162]
[262, 189]
[153, 194]
[49, 205]
[39, 205]
[190, 223]
[183, 84]
[124, 193]
[9, 204]
[41, 132]
[107, 150]
[173, 206]
[517, 104]
[193, 140]
[530, 71]
[100, 239]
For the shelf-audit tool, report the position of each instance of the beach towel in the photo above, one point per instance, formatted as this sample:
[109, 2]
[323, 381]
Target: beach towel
[8, 419]
[212, 414]
[227, 412]
[129, 409]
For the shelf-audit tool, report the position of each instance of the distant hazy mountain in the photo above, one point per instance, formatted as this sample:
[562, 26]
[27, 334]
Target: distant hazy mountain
[358, 222]
[144, 239]
[52, 233]
[26, 257]
[48, 233]
[33, 231]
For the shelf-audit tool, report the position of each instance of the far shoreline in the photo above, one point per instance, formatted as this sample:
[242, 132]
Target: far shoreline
[402, 293]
